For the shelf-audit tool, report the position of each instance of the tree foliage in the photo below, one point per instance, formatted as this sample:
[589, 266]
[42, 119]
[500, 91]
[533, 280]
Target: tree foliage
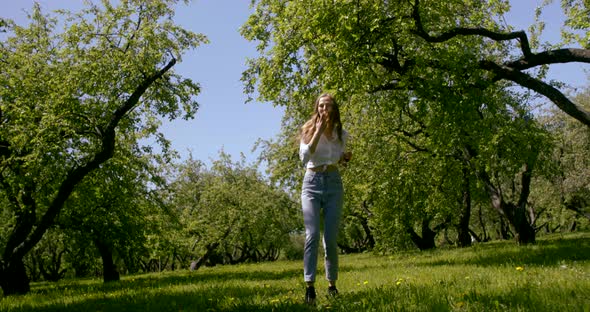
[230, 214]
[356, 47]
[67, 94]
[424, 86]
[563, 193]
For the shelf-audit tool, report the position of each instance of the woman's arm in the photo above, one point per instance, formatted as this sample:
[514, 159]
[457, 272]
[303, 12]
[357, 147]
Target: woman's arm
[346, 155]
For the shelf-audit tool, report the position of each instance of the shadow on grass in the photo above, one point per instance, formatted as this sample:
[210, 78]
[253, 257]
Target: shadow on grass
[212, 290]
[391, 298]
[155, 280]
[440, 298]
[544, 252]
[230, 298]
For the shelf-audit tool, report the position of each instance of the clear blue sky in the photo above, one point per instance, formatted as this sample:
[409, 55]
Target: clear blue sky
[224, 120]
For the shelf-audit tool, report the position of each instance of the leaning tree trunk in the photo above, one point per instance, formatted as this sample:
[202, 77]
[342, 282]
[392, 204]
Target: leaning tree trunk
[109, 270]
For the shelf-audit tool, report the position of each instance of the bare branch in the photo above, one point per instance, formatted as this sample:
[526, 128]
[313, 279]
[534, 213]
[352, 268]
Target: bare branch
[512, 70]
[523, 79]
[462, 31]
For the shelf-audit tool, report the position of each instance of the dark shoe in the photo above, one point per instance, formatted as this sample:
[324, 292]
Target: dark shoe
[310, 295]
[332, 291]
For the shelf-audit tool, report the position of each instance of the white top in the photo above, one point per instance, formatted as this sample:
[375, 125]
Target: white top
[327, 152]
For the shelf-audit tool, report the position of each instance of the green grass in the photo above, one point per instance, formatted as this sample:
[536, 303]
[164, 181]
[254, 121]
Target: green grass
[553, 275]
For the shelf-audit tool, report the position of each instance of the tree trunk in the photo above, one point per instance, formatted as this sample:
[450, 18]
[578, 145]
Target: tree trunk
[464, 239]
[13, 278]
[525, 233]
[475, 236]
[109, 270]
[426, 241]
[485, 236]
[199, 262]
[577, 204]
[504, 229]
[368, 242]
[365, 224]
[516, 214]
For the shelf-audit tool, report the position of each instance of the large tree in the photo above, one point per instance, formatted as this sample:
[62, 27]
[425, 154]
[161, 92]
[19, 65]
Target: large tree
[437, 58]
[64, 97]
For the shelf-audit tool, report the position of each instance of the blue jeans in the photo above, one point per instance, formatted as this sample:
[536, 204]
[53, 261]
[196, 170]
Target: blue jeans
[321, 190]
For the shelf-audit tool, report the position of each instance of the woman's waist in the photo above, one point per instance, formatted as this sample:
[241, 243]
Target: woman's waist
[324, 168]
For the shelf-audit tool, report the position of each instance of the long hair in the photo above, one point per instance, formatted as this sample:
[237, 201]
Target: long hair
[308, 129]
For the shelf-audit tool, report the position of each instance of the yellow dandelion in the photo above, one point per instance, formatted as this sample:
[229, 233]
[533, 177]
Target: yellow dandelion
[519, 268]
[366, 282]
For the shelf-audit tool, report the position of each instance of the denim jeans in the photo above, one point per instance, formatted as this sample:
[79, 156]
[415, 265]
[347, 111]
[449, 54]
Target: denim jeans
[321, 191]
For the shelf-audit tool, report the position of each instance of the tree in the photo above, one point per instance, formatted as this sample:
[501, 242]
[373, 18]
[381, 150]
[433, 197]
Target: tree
[65, 98]
[112, 209]
[436, 57]
[562, 193]
[232, 215]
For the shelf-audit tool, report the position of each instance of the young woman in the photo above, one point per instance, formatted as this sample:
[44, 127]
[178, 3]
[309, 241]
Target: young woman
[322, 147]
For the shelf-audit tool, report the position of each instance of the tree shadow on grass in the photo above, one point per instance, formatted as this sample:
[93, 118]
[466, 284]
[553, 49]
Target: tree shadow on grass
[164, 280]
[544, 252]
[230, 298]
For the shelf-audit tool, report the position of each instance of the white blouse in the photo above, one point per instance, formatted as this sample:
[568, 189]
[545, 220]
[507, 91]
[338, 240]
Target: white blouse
[327, 151]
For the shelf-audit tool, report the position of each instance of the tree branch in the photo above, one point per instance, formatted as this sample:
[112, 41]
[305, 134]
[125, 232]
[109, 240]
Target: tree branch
[568, 55]
[462, 31]
[523, 79]
[512, 70]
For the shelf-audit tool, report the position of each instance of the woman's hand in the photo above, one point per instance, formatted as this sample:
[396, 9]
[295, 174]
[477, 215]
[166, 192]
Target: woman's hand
[321, 123]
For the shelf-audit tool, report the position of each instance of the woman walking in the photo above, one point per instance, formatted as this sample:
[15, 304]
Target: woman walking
[322, 148]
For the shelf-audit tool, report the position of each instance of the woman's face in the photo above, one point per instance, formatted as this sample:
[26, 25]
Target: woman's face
[325, 106]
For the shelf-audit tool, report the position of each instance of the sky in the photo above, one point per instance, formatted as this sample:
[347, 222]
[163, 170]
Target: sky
[224, 120]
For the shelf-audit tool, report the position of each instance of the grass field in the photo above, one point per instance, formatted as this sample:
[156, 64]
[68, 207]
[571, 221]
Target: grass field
[553, 275]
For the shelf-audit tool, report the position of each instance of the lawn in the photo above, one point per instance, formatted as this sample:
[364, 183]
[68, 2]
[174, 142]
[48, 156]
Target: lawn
[552, 275]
